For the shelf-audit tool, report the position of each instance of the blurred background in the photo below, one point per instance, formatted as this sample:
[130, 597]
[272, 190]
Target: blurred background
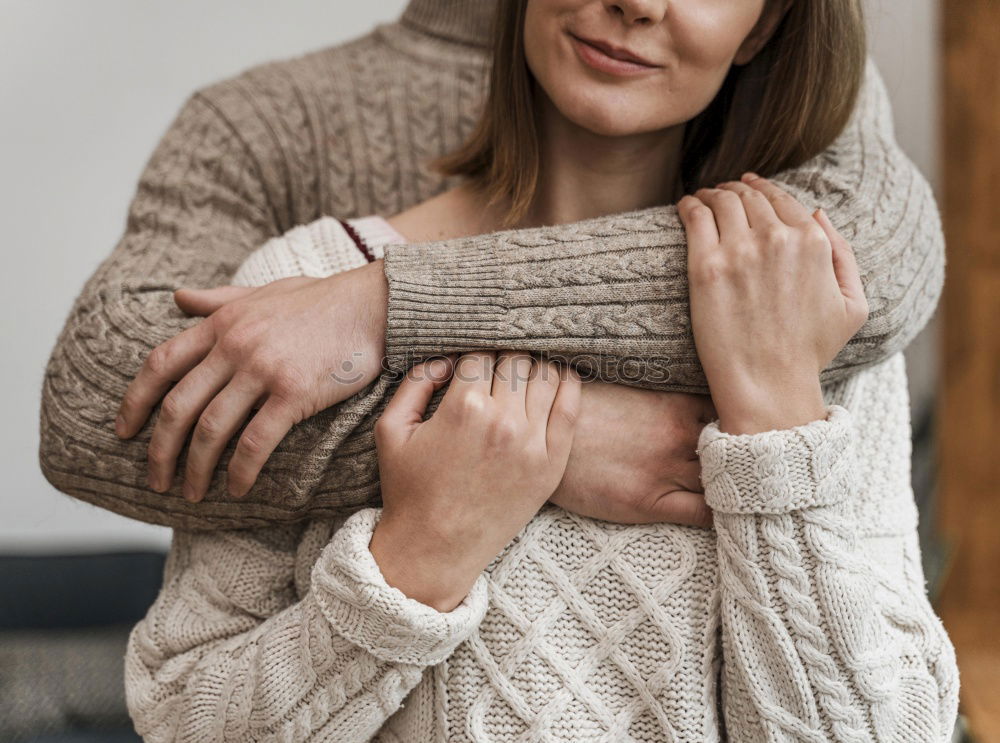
[87, 89]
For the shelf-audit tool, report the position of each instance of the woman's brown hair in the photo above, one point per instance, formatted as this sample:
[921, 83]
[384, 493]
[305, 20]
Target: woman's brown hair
[785, 106]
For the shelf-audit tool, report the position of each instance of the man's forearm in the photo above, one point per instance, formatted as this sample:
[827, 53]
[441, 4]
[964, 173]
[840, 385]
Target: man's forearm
[612, 292]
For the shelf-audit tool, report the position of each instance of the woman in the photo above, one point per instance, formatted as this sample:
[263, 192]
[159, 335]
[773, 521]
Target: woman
[592, 630]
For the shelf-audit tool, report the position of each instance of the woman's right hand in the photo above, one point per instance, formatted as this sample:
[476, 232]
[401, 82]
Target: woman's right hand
[458, 487]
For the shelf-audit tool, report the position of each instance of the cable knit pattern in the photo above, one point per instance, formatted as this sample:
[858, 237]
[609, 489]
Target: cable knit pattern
[813, 649]
[799, 468]
[594, 631]
[348, 131]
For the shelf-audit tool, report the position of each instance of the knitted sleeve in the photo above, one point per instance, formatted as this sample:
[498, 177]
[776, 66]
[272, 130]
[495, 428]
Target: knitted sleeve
[226, 653]
[817, 645]
[612, 293]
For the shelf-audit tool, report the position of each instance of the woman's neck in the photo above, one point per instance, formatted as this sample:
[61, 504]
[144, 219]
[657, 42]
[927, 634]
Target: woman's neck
[584, 175]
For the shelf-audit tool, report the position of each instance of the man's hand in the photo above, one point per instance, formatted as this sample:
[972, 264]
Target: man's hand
[293, 347]
[633, 459]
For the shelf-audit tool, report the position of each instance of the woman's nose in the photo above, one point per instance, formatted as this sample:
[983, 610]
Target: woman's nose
[638, 12]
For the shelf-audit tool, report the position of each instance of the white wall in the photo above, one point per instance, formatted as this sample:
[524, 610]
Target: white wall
[905, 42]
[86, 90]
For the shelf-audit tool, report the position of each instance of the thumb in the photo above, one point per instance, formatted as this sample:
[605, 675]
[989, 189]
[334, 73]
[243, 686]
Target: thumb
[203, 302]
[405, 411]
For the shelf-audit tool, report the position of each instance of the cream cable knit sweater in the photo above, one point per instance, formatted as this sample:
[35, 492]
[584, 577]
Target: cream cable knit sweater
[346, 131]
[804, 610]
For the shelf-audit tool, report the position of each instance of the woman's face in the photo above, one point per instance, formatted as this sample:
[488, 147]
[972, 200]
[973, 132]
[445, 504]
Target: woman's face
[637, 66]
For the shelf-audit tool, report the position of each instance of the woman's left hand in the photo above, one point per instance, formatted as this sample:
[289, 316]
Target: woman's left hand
[775, 294]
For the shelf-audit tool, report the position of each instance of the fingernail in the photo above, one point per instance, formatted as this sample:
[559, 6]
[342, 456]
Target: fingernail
[154, 483]
[120, 425]
[189, 493]
[751, 176]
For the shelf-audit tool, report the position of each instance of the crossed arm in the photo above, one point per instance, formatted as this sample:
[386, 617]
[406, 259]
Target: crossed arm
[614, 289]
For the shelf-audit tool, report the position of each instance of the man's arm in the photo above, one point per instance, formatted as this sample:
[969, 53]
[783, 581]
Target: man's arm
[199, 209]
[613, 291]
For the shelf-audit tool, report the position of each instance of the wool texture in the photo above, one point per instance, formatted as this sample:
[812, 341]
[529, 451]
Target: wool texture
[348, 131]
[803, 610]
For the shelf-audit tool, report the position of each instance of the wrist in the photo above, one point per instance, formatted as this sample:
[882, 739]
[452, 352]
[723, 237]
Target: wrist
[378, 304]
[422, 571]
[753, 407]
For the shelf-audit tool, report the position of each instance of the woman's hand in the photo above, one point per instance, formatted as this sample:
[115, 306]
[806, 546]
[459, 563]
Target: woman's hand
[295, 347]
[775, 294]
[458, 487]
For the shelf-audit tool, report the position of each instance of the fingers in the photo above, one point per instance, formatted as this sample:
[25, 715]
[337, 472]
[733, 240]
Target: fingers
[543, 384]
[204, 302]
[760, 213]
[563, 416]
[259, 439]
[786, 206]
[217, 425]
[178, 413]
[699, 223]
[845, 265]
[510, 382]
[165, 364]
[727, 208]
[679, 507]
[408, 405]
[473, 375]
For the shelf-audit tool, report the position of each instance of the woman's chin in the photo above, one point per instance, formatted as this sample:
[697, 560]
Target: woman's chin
[607, 117]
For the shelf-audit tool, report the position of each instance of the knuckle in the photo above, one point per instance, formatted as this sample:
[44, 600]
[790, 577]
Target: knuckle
[209, 427]
[472, 407]
[814, 236]
[711, 269]
[172, 408]
[250, 444]
[158, 361]
[235, 340]
[568, 415]
[774, 236]
[287, 382]
[503, 432]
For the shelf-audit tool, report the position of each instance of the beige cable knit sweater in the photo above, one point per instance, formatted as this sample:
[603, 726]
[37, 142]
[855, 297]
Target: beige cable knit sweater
[346, 131]
[804, 610]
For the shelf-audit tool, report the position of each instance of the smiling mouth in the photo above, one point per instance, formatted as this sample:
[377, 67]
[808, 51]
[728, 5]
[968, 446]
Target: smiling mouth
[610, 59]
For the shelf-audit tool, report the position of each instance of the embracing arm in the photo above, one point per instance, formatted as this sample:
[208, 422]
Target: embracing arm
[615, 290]
[226, 653]
[199, 210]
[817, 645]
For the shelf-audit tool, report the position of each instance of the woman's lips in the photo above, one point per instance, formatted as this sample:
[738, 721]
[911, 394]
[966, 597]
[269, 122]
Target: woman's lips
[608, 59]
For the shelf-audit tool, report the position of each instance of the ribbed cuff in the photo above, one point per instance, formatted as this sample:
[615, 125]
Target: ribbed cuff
[779, 471]
[373, 615]
[441, 302]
